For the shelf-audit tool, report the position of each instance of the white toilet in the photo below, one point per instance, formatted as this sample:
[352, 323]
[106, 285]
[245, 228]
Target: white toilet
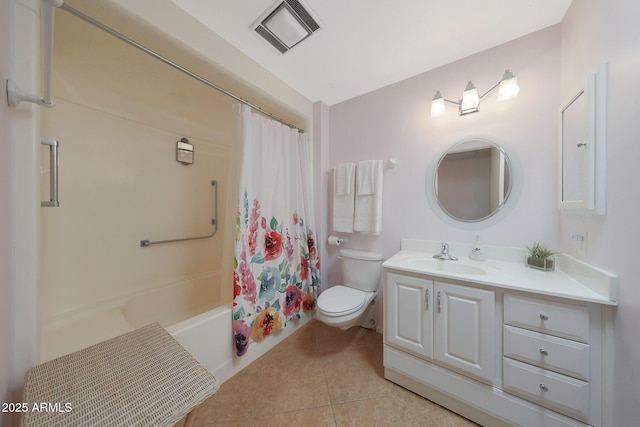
[344, 306]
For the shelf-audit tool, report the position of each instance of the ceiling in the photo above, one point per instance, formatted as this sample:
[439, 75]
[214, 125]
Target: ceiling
[368, 44]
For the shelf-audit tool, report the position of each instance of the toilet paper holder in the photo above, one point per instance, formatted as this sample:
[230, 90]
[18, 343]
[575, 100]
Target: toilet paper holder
[336, 240]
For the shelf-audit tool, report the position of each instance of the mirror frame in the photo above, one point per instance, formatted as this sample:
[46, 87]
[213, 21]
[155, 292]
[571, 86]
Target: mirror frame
[594, 173]
[497, 215]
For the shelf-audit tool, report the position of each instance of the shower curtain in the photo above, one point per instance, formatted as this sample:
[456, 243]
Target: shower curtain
[276, 265]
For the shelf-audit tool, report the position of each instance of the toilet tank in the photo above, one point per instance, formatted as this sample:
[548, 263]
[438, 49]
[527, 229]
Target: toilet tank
[361, 270]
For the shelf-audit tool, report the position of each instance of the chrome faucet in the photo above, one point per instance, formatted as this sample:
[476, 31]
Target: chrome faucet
[444, 253]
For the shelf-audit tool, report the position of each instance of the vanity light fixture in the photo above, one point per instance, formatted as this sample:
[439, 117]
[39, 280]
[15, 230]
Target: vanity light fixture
[470, 102]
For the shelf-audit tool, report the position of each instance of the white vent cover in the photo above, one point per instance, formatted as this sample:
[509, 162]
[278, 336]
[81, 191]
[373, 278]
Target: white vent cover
[286, 24]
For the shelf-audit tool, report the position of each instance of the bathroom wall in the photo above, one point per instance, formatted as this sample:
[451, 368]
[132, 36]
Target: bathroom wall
[25, 201]
[7, 278]
[593, 32]
[395, 122]
[119, 180]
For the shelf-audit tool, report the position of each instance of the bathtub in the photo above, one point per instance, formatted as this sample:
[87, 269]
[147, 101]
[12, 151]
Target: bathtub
[190, 310]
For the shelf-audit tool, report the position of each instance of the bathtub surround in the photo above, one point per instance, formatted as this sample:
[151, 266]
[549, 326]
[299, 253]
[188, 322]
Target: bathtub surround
[276, 275]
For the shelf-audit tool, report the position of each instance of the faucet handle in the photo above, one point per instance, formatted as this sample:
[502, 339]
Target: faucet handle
[445, 247]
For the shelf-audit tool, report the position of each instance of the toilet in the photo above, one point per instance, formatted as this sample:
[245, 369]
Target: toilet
[344, 306]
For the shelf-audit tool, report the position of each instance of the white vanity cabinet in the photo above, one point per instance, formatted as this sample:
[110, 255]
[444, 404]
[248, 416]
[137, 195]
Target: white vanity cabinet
[408, 314]
[447, 324]
[464, 329]
[497, 356]
[547, 354]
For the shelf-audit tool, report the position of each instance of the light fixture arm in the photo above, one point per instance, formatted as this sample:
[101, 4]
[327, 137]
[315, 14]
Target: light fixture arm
[451, 102]
[487, 92]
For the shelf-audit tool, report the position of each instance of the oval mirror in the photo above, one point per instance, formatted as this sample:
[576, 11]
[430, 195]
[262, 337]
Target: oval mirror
[473, 180]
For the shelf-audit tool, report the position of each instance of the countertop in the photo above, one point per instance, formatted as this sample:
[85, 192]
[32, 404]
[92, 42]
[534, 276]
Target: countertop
[579, 282]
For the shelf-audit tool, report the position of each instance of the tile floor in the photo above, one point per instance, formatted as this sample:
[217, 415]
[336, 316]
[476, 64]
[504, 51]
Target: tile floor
[321, 376]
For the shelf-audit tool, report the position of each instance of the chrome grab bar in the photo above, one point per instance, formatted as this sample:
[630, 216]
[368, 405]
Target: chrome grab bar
[214, 222]
[53, 173]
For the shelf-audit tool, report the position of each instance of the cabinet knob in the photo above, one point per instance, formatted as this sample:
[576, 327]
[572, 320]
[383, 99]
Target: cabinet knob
[544, 316]
[543, 387]
[544, 352]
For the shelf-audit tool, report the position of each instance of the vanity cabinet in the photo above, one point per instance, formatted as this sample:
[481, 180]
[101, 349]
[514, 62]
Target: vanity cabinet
[408, 314]
[444, 323]
[464, 329]
[547, 356]
[496, 356]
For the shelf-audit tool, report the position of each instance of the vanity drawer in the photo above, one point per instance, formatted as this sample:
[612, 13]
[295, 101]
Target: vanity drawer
[548, 352]
[554, 318]
[554, 391]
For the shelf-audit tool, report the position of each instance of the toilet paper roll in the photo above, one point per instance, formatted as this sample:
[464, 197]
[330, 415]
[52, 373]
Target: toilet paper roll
[334, 240]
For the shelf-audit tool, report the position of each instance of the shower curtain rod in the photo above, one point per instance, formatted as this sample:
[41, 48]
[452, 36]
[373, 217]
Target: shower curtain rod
[173, 64]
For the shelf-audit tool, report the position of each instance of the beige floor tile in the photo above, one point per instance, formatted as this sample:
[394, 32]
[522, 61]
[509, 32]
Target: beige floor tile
[321, 376]
[328, 339]
[379, 411]
[312, 417]
[356, 373]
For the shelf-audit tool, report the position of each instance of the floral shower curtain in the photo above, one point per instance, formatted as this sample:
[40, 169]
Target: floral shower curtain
[276, 271]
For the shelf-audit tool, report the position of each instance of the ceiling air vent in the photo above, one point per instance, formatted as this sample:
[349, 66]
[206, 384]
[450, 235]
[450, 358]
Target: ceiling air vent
[286, 24]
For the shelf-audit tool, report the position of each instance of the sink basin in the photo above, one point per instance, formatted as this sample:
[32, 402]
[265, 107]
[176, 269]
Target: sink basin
[453, 267]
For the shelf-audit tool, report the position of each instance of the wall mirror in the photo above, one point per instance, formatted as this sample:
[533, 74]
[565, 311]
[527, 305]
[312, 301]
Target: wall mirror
[582, 148]
[472, 180]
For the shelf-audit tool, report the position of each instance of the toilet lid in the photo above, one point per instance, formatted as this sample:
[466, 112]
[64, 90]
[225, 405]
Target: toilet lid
[341, 300]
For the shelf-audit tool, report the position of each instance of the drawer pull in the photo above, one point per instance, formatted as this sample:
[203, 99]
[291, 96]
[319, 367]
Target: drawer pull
[544, 316]
[544, 352]
[543, 387]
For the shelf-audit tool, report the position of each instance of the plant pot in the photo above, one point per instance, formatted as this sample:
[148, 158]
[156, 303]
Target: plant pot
[544, 264]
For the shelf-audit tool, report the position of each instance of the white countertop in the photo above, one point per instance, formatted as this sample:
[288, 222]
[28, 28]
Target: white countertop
[594, 286]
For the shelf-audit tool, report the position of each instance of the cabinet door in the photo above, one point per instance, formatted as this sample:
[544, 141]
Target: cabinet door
[408, 316]
[465, 329]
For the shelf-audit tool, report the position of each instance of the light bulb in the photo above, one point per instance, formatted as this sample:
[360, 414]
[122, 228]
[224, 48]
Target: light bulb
[470, 100]
[508, 86]
[437, 105]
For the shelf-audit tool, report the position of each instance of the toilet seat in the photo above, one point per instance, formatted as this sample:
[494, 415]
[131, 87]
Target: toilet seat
[341, 300]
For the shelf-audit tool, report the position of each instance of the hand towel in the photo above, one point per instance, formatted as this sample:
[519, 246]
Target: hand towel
[368, 206]
[343, 197]
[343, 178]
[365, 177]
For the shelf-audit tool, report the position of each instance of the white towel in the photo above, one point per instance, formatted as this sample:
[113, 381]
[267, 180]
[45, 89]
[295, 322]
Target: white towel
[343, 197]
[343, 178]
[365, 177]
[368, 204]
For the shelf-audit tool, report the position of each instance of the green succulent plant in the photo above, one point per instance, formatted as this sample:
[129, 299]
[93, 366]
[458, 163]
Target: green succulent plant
[539, 250]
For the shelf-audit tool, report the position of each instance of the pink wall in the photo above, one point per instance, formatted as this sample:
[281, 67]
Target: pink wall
[6, 258]
[593, 32]
[395, 122]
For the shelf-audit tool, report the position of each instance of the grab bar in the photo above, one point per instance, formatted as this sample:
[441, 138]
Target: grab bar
[53, 173]
[214, 222]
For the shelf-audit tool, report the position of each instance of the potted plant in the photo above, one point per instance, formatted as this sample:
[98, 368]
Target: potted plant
[540, 257]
